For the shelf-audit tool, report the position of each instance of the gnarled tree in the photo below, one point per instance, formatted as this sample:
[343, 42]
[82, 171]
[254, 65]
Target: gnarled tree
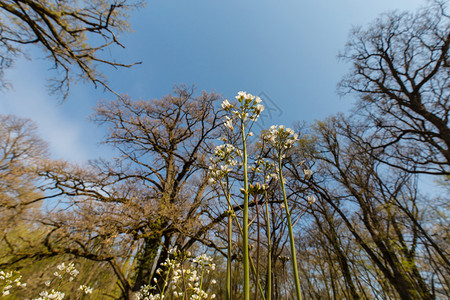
[130, 211]
[401, 74]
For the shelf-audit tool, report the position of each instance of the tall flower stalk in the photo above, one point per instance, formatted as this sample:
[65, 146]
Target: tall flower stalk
[243, 114]
[282, 139]
[223, 162]
[291, 235]
[269, 253]
[267, 168]
[230, 241]
[245, 216]
[229, 255]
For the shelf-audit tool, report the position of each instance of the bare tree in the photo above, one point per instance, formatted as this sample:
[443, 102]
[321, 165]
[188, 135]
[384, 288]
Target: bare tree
[400, 71]
[72, 34]
[131, 211]
[380, 208]
[21, 149]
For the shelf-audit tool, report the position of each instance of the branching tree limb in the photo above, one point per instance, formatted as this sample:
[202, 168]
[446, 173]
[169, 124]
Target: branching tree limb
[72, 34]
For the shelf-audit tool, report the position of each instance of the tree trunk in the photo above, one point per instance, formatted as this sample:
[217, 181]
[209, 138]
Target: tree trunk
[145, 262]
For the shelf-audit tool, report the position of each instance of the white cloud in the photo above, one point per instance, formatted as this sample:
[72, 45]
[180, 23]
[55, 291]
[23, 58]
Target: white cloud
[60, 127]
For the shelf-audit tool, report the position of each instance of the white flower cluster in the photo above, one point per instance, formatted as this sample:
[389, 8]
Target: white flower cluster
[8, 280]
[280, 138]
[85, 289]
[205, 261]
[53, 295]
[249, 108]
[145, 293]
[63, 271]
[223, 161]
[181, 272]
[268, 168]
[69, 269]
[250, 104]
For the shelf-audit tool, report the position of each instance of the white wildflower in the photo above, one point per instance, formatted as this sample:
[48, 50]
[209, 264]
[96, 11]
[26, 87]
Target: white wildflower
[249, 97]
[85, 289]
[308, 173]
[61, 267]
[226, 105]
[311, 199]
[259, 109]
[228, 123]
[241, 95]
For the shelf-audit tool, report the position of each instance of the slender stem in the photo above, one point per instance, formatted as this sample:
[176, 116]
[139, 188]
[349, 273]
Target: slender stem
[291, 233]
[250, 258]
[226, 190]
[284, 276]
[245, 221]
[184, 281]
[201, 276]
[230, 228]
[165, 282]
[269, 254]
[258, 240]
[257, 281]
[230, 235]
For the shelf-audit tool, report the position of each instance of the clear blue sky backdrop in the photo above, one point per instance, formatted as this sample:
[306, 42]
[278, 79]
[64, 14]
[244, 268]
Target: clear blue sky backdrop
[286, 49]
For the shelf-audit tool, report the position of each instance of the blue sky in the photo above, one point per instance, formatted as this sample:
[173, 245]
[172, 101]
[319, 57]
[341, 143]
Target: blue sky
[284, 49]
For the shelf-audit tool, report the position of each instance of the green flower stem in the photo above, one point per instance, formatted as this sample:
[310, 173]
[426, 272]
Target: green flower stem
[227, 196]
[258, 238]
[291, 233]
[201, 276]
[230, 236]
[269, 254]
[245, 221]
[257, 279]
[184, 282]
[230, 228]
[226, 191]
[165, 283]
[285, 283]
[252, 265]
[250, 259]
